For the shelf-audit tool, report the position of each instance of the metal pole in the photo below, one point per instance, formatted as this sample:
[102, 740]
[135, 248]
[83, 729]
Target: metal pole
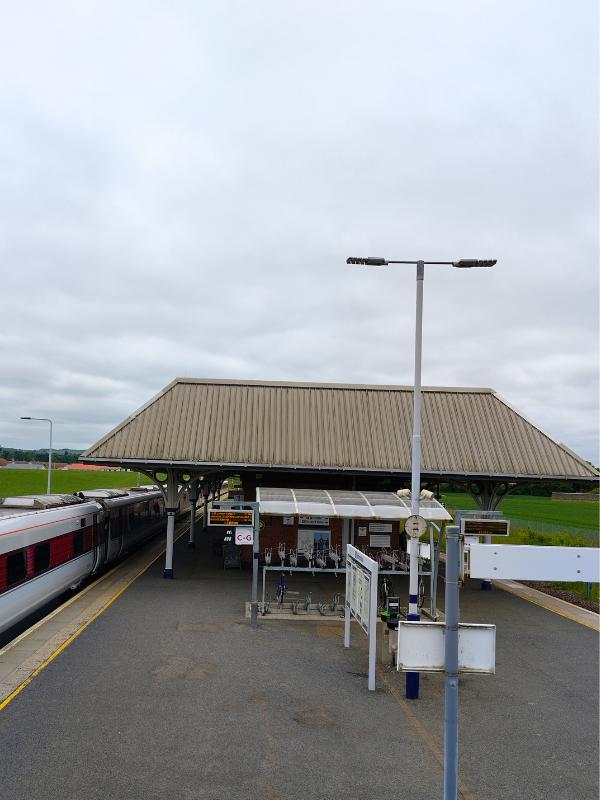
[432, 575]
[412, 678]
[451, 648]
[373, 628]
[50, 458]
[486, 584]
[254, 604]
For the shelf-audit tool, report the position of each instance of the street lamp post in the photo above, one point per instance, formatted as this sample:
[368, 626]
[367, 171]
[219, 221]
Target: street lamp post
[45, 419]
[412, 678]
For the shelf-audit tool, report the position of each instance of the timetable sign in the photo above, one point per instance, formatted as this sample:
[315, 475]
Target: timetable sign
[229, 517]
[485, 527]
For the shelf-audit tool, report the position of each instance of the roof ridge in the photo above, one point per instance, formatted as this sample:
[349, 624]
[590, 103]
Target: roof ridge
[342, 386]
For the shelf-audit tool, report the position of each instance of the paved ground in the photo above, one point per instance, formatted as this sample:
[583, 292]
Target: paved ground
[170, 694]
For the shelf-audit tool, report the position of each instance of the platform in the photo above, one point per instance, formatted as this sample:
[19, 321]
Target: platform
[169, 693]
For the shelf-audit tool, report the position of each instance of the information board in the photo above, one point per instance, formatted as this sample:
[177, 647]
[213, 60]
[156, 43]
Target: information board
[484, 527]
[360, 593]
[229, 517]
[361, 600]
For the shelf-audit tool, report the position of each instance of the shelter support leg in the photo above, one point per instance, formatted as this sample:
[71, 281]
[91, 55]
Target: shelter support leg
[347, 624]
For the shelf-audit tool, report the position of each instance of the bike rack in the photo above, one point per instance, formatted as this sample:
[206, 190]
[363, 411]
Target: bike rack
[281, 552]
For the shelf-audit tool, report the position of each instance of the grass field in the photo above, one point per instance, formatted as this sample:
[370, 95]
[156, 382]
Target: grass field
[33, 481]
[555, 513]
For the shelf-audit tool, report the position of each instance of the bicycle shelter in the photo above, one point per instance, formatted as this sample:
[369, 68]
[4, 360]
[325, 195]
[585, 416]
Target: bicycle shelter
[308, 530]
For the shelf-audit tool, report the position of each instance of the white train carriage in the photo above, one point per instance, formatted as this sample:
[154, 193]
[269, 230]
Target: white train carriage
[50, 543]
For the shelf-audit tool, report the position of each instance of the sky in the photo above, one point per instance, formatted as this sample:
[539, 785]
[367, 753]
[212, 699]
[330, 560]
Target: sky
[181, 184]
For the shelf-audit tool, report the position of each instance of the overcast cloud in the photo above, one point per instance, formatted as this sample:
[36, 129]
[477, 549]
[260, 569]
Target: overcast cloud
[181, 183]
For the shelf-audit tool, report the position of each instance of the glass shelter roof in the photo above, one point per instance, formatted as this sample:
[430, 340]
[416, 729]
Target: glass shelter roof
[345, 504]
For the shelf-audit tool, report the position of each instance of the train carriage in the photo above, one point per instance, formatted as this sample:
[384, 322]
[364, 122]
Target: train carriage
[51, 543]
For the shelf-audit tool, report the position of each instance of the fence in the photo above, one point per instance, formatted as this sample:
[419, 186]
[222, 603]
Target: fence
[552, 527]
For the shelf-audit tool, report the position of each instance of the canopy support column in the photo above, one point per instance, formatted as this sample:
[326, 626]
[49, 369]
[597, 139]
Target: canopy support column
[487, 495]
[193, 501]
[171, 509]
[205, 494]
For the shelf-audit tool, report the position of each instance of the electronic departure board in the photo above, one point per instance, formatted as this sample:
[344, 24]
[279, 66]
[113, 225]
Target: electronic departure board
[484, 527]
[229, 517]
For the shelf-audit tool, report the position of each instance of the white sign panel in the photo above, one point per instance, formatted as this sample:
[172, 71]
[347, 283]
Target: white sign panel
[362, 531]
[380, 527]
[379, 540]
[421, 647]
[424, 548]
[244, 535]
[528, 562]
[310, 520]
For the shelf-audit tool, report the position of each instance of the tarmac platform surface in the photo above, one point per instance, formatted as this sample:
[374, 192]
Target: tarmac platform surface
[169, 693]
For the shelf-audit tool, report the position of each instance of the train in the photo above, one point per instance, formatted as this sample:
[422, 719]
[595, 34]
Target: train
[52, 543]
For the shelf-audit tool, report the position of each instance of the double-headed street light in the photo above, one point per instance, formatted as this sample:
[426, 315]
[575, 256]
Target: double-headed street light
[412, 678]
[45, 419]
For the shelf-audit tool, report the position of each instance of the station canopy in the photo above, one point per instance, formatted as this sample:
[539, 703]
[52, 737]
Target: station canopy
[344, 504]
[277, 429]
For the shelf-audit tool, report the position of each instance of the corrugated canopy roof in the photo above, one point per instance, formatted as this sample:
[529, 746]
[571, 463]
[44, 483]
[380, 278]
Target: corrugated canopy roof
[344, 504]
[228, 425]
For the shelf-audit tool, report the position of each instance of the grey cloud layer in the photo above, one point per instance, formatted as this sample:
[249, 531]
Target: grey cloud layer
[180, 188]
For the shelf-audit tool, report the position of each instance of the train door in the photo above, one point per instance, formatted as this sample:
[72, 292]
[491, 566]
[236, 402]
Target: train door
[115, 533]
[100, 539]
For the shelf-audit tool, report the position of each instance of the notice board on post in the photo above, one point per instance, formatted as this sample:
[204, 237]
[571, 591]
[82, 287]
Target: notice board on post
[362, 574]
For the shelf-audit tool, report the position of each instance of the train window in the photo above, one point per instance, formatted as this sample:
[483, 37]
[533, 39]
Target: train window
[16, 567]
[78, 543]
[41, 558]
[82, 523]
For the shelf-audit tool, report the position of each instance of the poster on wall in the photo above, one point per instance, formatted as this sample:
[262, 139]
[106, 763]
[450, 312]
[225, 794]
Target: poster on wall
[380, 527]
[313, 539]
[362, 531]
[305, 519]
[288, 521]
[379, 540]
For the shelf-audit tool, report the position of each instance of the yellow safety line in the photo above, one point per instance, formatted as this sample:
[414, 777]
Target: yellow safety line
[73, 636]
[572, 615]
[464, 792]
